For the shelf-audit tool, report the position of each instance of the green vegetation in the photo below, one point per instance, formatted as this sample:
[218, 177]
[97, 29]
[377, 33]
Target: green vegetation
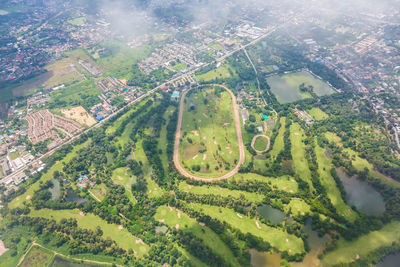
[276, 237]
[284, 183]
[300, 163]
[347, 251]
[37, 257]
[318, 114]
[261, 143]
[219, 191]
[222, 72]
[77, 21]
[278, 145]
[328, 182]
[209, 145]
[297, 207]
[117, 233]
[179, 220]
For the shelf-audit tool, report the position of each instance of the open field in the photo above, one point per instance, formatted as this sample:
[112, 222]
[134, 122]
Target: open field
[193, 260]
[77, 21]
[209, 139]
[261, 143]
[286, 87]
[284, 183]
[123, 238]
[99, 191]
[327, 181]
[347, 251]
[153, 190]
[297, 207]
[300, 163]
[276, 237]
[17, 202]
[80, 115]
[318, 114]
[279, 142]
[179, 220]
[219, 191]
[224, 71]
[37, 257]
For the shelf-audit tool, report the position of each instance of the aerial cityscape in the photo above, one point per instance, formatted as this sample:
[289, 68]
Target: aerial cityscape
[199, 133]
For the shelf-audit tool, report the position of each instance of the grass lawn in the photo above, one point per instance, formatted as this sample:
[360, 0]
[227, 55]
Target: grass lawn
[261, 143]
[224, 71]
[318, 114]
[193, 260]
[284, 183]
[90, 221]
[327, 181]
[177, 219]
[347, 251]
[99, 191]
[300, 163]
[162, 141]
[119, 63]
[18, 201]
[179, 67]
[286, 86]
[153, 190]
[275, 236]
[208, 136]
[77, 21]
[14, 155]
[219, 191]
[279, 143]
[37, 257]
[124, 177]
[297, 207]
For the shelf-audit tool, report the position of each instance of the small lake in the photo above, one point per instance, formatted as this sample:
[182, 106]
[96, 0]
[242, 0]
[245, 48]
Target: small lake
[3, 12]
[263, 259]
[271, 214]
[391, 260]
[73, 197]
[316, 244]
[362, 195]
[55, 190]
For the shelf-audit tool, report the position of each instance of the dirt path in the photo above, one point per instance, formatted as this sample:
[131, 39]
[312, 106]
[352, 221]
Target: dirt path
[238, 133]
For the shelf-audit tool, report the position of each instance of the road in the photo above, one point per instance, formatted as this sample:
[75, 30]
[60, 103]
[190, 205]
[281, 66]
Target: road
[238, 133]
[49, 153]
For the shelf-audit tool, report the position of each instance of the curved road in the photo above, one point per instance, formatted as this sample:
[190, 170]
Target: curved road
[238, 133]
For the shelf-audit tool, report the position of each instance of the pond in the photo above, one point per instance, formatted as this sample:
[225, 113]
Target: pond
[391, 260]
[271, 214]
[286, 87]
[263, 259]
[55, 190]
[72, 196]
[362, 195]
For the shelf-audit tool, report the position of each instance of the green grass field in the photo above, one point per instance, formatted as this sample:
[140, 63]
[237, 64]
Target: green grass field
[99, 191]
[77, 21]
[261, 143]
[297, 207]
[286, 86]
[124, 177]
[275, 236]
[219, 191]
[119, 63]
[208, 135]
[153, 190]
[327, 181]
[192, 259]
[18, 201]
[300, 163]
[123, 238]
[179, 220]
[318, 114]
[37, 257]
[179, 67]
[347, 251]
[224, 71]
[279, 143]
[284, 183]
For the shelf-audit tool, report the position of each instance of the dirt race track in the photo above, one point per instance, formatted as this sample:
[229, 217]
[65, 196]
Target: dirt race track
[238, 133]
